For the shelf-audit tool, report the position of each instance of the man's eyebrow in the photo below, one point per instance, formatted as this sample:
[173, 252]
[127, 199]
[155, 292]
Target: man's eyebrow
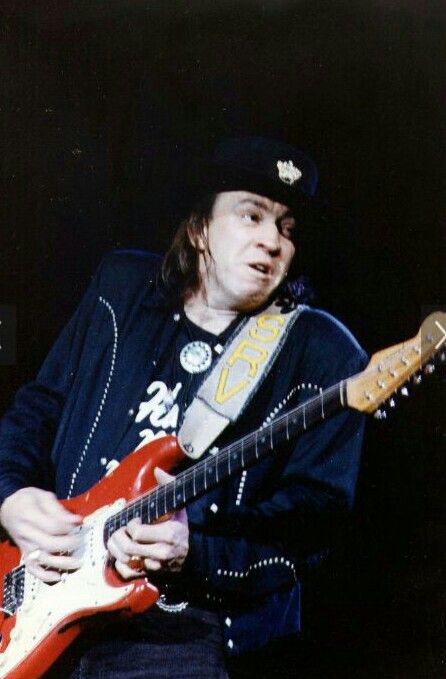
[263, 205]
[254, 201]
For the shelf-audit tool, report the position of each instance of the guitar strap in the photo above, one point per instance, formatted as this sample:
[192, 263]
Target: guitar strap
[236, 376]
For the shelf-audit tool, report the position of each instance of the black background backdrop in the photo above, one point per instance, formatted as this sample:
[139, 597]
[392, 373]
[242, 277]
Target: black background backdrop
[97, 95]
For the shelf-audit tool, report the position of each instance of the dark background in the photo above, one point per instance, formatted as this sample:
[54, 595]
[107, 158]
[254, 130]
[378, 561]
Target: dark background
[97, 97]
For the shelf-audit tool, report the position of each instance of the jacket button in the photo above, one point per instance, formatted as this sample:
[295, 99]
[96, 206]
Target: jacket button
[103, 461]
[228, 622]
[230, 643]
[214, 508]
[131, 412]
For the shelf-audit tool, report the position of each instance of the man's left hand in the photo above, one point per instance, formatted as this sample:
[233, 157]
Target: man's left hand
[140, 547]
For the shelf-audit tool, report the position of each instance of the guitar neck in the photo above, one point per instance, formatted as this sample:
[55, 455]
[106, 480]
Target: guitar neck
[215, 468]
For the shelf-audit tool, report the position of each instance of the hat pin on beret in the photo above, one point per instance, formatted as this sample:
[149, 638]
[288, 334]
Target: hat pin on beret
[288, 172]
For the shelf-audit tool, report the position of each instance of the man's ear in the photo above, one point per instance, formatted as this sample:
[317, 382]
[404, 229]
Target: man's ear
[198, 241]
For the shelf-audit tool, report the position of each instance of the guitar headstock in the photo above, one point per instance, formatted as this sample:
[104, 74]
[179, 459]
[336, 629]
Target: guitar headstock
[390, 368]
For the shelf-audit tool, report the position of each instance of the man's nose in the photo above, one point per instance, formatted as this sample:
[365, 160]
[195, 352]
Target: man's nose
[268, 237]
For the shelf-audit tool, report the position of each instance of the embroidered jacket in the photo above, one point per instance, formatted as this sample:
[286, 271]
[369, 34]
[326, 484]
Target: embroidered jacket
[252, 537]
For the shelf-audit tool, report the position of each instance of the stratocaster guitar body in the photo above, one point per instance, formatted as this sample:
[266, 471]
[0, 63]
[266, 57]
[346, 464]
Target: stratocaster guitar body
[47, 618]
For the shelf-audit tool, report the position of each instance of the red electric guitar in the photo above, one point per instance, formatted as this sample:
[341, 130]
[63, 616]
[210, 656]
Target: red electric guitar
[38, 621]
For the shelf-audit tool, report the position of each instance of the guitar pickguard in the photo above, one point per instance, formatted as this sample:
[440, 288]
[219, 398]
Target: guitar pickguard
[48, 608]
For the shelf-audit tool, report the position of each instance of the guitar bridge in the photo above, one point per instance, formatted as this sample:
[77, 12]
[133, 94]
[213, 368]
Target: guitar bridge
[13, 590]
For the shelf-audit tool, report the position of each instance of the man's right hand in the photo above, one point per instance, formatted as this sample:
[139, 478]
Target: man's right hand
[44, 531]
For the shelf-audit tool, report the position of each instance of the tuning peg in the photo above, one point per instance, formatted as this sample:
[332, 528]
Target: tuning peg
[429, 368]
[380, 415]
[392, 403]
[404, 391]
[417, 379]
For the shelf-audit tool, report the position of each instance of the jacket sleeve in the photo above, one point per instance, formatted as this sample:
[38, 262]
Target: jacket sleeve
[28, 428]
[265, 543]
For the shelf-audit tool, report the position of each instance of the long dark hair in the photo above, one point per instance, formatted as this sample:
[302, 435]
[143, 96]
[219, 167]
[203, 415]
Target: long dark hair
[180, 268]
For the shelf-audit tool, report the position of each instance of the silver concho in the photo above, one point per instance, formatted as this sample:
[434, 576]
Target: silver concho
[196, 357]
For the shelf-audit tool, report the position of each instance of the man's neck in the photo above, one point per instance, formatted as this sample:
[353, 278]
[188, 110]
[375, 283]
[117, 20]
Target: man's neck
[208, 317]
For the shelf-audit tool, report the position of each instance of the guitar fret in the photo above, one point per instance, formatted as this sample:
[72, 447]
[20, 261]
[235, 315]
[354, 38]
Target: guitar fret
[152, 506]
[190, 488]
[177, 494]
[158, 511]
[212, 469]
[205, 474]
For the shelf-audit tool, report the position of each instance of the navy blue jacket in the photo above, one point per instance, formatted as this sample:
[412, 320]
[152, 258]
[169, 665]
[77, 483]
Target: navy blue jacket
[252, 537]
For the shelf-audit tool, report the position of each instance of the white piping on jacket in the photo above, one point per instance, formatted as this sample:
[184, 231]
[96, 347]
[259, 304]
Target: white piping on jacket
[104, 395]
[272, 561]
[270, 417]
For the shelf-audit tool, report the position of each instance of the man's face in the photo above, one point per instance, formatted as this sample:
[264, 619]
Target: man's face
[250, 248]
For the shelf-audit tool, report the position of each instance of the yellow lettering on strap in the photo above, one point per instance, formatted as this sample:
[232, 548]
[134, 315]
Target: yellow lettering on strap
[267, 322]
[254, 361]
[221, 395]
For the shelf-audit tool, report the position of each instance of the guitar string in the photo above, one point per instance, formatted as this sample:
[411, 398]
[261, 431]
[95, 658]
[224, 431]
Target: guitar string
[18, 571]
[250, 439]
[223, 456]
[17, 574]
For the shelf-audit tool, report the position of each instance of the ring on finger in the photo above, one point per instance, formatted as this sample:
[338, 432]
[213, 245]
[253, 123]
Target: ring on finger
[34, 555]
[136, 563]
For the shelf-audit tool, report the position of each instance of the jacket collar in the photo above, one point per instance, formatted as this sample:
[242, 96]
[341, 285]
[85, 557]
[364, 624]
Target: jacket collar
[156, 295]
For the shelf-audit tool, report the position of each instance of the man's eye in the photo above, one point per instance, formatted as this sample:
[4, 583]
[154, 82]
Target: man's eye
[287, 229]
[251, 217]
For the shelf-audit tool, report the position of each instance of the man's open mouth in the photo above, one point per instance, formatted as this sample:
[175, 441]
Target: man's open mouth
[261, 268]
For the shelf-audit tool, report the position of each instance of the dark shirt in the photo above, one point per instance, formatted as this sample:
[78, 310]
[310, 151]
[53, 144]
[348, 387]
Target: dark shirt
[180, 369]
[253, 536]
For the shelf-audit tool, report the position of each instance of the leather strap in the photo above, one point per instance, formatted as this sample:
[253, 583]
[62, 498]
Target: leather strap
[235, 378]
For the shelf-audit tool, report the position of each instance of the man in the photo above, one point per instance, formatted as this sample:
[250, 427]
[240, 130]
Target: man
[124, 371]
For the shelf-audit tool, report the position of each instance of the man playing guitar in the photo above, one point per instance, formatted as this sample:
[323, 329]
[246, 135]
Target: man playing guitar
[123, 373]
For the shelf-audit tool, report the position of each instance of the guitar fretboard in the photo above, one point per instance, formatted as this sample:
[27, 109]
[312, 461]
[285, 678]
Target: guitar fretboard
[213, 469]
